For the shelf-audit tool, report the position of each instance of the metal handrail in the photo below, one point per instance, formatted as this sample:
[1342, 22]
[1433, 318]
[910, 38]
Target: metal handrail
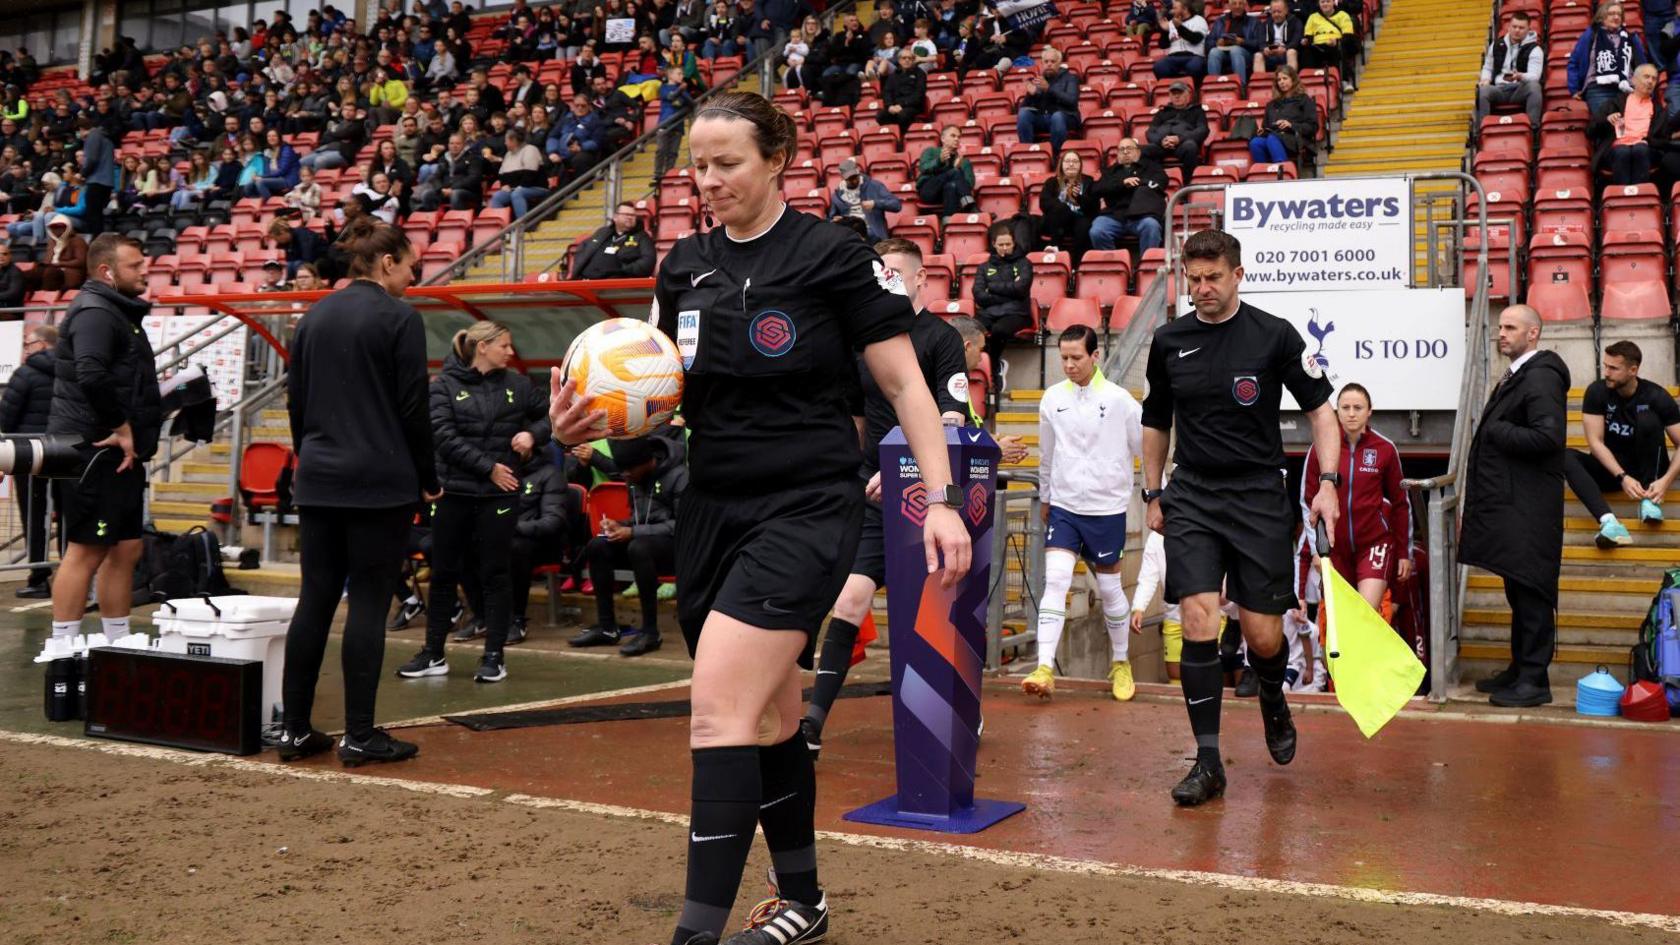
[608, 168]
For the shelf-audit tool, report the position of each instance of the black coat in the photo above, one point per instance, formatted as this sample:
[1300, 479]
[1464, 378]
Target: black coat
[1189, 123]
[11, 288]
[28, 399]
[542, 500]
[105, 373]
[633, 259]
[474, 419]
[905, 87]
[1302, 114]
[1004, 286]
[1059, 218]
[653, 503]
[1513, 479]
[357, 401]
[1147, 199]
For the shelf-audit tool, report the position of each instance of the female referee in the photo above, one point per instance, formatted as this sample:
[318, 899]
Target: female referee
[357, 390]
[766, 310]
[1375, 544]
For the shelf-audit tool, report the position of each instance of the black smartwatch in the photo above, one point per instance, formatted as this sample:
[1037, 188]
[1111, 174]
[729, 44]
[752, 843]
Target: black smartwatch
[1150, 495]
[951, 496]
[1333, 478]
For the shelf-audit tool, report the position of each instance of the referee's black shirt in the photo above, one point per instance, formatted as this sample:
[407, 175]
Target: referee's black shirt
[767, 329]
[939, 352]
[1223, 384]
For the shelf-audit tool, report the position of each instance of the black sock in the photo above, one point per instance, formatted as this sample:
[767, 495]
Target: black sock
[832, 666]
[726, 794]
[1270, 670]
[1203, 679]
[790, 801]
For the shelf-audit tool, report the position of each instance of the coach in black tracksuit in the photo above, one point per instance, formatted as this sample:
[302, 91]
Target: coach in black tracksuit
[486, 421]
[24, 409]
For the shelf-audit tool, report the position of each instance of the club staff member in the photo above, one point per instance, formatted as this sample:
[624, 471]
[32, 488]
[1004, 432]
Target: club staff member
[1625, 419]
[1219, 374]
[24, 409]
[105, 393]
[363, 438]
[775, 506]
[939, 354]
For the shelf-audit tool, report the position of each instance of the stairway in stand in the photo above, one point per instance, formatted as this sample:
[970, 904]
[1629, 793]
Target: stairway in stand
[1603, 595]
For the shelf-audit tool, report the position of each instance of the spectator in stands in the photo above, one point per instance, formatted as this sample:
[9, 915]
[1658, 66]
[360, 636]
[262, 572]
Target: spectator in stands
[12, 291]
[1291, 124]
[305, 198]
[386, 161]
[683, 58]
[578, 139]
[1330, 40]
[253, 165]
[191, 186]
[281, 170]
[688, 20]
[62, 264]
[645, 543]
[302, 245]
[1051, 103]
[25, 409]
[781, 18]
[1622, 131]
[274, 277]
[587, 69]
[1068, 203]
[849, 50]
[620, 114]
[523, 176]
[884, 61]
[1003, 293]
[99, 169]
[943, 176]
[1625, 419]
[1603, 60]
[1142, 18]
[1513, 515]
[306, 280]
[1178, 131]
[1184, 36]
[407, 140]
[904, 92]
[341, 142]
[863, 197]
[380, 196]
[1511, 73]
[442, 72]
[1134, 195]
[621, 249]
[798, 54]
[1235, 38]
[674, 104]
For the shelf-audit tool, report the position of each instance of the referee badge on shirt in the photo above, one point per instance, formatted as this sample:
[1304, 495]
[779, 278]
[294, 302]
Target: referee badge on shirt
[772, 333]
[1245, 389]
[688, 335]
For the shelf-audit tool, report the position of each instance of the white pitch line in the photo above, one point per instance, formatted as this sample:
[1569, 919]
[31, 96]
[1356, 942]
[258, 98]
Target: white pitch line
[1004, 858]
[38, 605]
[544, 704]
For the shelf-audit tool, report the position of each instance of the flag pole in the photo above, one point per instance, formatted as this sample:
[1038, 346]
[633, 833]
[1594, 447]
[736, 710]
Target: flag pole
[1323, 548]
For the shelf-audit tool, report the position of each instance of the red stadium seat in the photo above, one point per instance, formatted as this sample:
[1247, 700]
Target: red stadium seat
[1632, 207]
[1560, 276]
[1121, 315]
[1557, 211]
[677, 184]
[1634, 274]
[941, 272]
[1000, 198]
[1068, 311]
[1104, 275]
[1050, 277]
[1150, 264]
[965, 234]
[953, 308]
[1508, 137]
[923, 231]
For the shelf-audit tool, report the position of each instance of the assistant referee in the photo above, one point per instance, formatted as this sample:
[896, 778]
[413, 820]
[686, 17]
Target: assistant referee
[1227, 515]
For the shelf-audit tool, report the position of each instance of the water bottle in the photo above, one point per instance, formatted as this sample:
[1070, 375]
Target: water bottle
[61, 690]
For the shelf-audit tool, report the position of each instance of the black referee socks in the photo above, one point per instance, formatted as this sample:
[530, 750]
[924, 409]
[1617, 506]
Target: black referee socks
[832, 665]
[1203, 678]
[722, 820]
[790, 803]
[1270, 670]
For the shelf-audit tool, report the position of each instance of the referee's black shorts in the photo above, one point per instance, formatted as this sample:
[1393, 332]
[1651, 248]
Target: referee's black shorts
[1231, 533]
[775, 561]
[103, 506]
[871, 558]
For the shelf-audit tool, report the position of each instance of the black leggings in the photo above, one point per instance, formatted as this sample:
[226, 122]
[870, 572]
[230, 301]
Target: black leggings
[359, 550]
[479, 530]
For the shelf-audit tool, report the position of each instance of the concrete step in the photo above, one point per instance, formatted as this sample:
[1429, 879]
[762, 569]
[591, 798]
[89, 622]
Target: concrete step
[1589, 556]
[179, 525]
[1668, 527]
[212, 473]
[182, 509]
[1576, 593]
[189, 491]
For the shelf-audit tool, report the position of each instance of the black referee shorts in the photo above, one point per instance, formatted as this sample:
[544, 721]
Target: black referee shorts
[103, 506]
[871, 558]
[775, 561]
[1232, 533]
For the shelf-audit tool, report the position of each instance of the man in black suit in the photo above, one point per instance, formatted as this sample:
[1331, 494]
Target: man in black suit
[1513, 502]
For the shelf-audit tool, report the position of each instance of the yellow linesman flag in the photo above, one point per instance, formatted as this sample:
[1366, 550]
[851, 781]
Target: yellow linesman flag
[1376, 673]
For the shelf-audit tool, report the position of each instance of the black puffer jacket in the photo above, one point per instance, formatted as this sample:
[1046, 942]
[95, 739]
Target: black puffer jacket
[106, 374]
[29, 394]
[474, 419]
[653, 504]
[1003, 286]
[542, 500]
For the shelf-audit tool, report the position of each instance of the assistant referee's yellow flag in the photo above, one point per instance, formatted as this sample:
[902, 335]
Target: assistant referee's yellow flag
[1376, 673]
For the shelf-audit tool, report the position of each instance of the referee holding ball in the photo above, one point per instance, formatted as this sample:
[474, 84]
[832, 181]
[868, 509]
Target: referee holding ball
[1227, 515]
[767, 310]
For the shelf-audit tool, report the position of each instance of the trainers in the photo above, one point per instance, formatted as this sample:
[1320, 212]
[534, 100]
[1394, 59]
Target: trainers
[471, 629]
[406, 612]
[379, 746]
[490, 669]
[1201, 785]
[1248, 683]
[784, 922]
[294, 747]
[813, 737]
[595, 636]
[425, 663]
[1041, 682]
[1120, 675]
[1613, 533]
[1280, 731]
[669, 591]
[1649, 512]
[516, 631]
[630, 593]
[44, 591]
[645, 642]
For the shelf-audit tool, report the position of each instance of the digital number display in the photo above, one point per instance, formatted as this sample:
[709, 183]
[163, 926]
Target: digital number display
[193, 702]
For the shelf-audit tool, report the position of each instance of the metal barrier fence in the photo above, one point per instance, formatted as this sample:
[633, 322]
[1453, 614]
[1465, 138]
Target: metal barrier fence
[1018, 538]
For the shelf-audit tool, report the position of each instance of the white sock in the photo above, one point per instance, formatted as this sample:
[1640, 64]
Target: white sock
[1112, 589]
[1052, 608]
[115, 627]
[64, 629]
[1606, 518]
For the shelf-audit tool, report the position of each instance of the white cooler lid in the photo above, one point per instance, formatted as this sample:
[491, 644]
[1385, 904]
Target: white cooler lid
[236, 609]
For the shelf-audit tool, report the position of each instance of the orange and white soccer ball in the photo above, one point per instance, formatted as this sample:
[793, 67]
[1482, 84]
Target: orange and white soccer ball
[629, 369]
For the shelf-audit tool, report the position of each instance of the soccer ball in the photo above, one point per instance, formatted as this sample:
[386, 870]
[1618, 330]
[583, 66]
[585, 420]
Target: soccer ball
[629, 369]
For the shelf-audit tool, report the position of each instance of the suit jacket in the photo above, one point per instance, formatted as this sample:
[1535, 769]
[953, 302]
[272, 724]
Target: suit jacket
[1513, 478]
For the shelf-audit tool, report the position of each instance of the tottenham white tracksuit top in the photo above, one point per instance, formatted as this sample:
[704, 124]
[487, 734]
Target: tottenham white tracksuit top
[1088, 438]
